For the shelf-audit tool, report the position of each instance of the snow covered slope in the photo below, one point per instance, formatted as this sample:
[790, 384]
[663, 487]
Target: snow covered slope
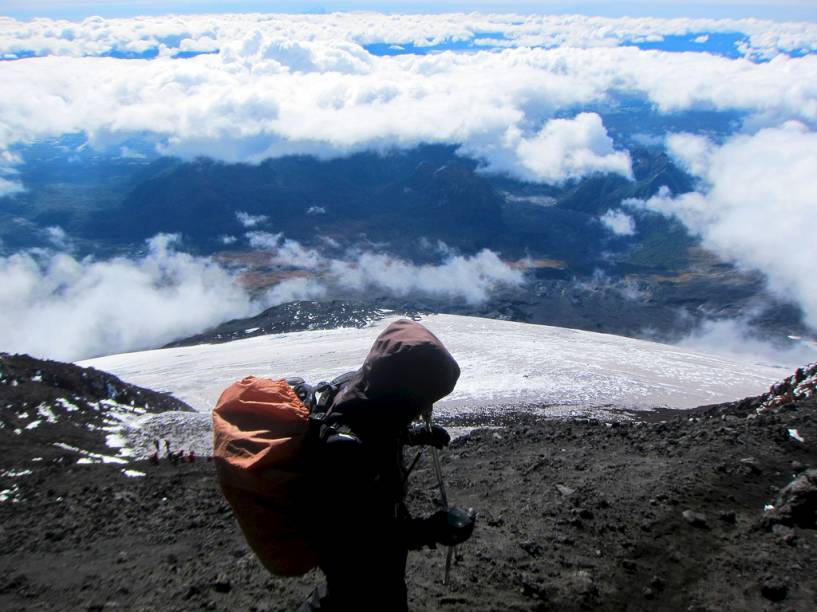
[503, 364]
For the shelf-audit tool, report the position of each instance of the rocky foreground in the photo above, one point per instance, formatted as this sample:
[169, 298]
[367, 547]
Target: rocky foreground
[711, 509]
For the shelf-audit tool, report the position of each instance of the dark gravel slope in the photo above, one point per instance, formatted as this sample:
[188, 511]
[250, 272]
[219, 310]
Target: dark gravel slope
[660, 515]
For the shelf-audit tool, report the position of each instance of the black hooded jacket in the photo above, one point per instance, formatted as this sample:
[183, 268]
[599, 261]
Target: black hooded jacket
[358, 523]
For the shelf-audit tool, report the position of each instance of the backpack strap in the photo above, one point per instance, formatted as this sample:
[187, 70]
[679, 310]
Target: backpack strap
[321, 398]
[318, 400]
[327, 392]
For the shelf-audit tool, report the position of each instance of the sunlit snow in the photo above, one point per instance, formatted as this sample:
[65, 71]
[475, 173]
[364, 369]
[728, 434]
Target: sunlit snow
[503, 364]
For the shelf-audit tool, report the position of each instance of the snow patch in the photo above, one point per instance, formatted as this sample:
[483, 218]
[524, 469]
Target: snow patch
[795, 435]
[503, 363]
[10, 494]
[88, 456]
[15, 473]
[66, 405]
[45, 412]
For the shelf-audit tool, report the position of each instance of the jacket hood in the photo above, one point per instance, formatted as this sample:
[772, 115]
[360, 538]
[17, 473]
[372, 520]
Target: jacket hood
[407, 366]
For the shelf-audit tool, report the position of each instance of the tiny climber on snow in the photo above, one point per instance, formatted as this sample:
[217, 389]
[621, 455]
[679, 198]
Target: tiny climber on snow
[317, 477]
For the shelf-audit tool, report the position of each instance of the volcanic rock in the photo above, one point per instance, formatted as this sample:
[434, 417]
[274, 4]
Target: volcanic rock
[797, 502]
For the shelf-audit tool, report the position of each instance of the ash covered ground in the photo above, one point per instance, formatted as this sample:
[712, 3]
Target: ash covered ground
[663, 513]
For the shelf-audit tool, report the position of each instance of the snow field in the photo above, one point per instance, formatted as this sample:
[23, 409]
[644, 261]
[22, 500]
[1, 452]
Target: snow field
[503, 364]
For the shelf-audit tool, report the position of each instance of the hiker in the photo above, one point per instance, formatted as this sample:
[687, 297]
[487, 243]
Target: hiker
[358, 524]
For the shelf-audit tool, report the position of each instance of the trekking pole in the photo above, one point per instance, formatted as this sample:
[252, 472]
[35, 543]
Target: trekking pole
[435, 455]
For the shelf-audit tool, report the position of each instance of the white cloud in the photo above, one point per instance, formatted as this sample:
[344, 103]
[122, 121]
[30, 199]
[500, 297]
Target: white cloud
[757, 206]
[735, 337]
[618, 222]
[10, 188]
[248, 220]
[206, 33]
[9, 161]
[692, 152]
[295, 254]
[55, 305]
[297, 85]
[316, 210]
[286, 252]
[470, 278]
[293, 289]
[563, 149]
[57, 237]
[264, 240]
[329, 241]
[128, 153]
[439, 247]
[65, 308]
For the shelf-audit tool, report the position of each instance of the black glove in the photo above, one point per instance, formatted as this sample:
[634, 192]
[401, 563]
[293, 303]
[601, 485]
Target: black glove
[419, 435]
[451, 527]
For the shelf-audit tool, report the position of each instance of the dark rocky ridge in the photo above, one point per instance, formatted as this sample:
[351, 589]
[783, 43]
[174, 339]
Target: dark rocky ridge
[290, 317]
[44, 402]
[666, 513]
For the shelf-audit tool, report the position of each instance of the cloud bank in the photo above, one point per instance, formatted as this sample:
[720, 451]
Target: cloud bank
[756, 205]
[563, 149]
[57, 306]
[167, 36]
[469, 278]
[735, 337]
[279, 85]
[61, 307]
[618, 222]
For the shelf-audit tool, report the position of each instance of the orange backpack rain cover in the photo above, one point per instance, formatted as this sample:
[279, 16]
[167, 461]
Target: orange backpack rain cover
[259, 431]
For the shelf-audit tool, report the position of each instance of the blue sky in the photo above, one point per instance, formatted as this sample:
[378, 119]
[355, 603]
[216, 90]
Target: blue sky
[791, 10]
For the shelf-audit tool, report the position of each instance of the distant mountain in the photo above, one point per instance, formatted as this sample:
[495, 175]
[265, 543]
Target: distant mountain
[396, 199]
[303, 196]
[651, 171]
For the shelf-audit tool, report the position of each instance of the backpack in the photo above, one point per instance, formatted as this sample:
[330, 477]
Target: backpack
[260, 435]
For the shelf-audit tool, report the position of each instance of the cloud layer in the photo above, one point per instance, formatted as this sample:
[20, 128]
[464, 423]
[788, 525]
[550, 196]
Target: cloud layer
[57, 306]
[756, 204]
[278, 85]
[61, 307]
[469, 278]
[206, 33]
[735, 337]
